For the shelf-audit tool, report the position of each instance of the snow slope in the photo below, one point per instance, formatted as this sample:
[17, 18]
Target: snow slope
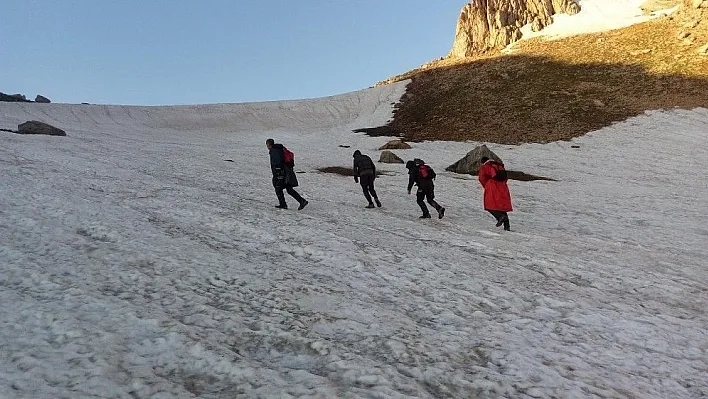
[594, 16]
[136, 263]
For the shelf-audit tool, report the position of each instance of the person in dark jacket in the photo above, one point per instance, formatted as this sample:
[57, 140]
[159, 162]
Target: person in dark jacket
[365, 172]
[497, 199]
[284, 177]
[422, 175]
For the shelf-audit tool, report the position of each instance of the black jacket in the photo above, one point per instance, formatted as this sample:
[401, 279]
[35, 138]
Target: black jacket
[364, 166]
[414, 177]
[283, 175]
[277, 157]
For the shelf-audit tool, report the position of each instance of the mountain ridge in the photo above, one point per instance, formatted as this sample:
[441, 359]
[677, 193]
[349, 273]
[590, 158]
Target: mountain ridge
[550, 90]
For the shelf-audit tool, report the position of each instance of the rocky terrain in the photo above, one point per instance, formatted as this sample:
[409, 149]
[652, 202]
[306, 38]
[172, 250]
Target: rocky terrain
[558, 89]
[21, 98]
[486, 25]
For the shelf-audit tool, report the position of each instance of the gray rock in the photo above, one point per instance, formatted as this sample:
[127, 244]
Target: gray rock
[395, 144]
[41, 99]
[36, 127]
[470, 163]
[13, 98]
[389, 157]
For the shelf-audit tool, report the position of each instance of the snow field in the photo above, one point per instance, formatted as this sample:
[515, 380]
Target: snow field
[136, 262]
[594, 16]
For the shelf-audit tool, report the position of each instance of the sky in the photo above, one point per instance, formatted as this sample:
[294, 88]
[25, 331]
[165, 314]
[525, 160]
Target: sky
[160, 52]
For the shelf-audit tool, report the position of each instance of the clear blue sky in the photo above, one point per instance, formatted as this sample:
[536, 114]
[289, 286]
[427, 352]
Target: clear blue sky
[154, 52]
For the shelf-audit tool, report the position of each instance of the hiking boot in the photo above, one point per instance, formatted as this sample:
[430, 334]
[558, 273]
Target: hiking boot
[378, 203]
[441, 213]
[302, 205]
[425, 216]
[370, 206]
[281, 206]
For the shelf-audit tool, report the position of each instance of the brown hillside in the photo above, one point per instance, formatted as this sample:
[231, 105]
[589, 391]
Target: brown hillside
[555, 90]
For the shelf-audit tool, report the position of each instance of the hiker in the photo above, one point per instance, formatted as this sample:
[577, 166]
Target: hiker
[497, 199]
[422, 175]
[365, 171]
[282, 164]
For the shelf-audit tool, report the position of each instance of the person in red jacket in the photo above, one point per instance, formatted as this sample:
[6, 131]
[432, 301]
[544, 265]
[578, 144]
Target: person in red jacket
[497, 199]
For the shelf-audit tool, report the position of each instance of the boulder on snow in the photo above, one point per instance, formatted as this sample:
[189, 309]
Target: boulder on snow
[37, 127]
[395, 144]
[470, 163]
[41, 99]
[389, 157]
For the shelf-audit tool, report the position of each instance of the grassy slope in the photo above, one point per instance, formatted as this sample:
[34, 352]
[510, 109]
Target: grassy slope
[554, 90]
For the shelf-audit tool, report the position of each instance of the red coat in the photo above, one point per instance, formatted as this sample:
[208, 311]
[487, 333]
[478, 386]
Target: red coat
[496, 193]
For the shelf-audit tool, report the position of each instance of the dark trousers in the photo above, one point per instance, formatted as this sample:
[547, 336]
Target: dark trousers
[367, 186]
[428, 195]
[281, 195]
[501, 216]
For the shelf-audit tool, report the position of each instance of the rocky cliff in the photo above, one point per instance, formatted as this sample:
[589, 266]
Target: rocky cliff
[486, 25]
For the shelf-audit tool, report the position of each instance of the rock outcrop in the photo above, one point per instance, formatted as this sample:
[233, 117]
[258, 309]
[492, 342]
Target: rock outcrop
[486, 25]
[697, 3]
[703, 50]
[41, 99]
[37, 127]
[14, 98]
[389, 157]
[470, 163]
[650, 6]
[395, 144]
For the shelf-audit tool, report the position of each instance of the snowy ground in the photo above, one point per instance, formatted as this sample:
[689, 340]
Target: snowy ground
[135, 262]
[594, 16]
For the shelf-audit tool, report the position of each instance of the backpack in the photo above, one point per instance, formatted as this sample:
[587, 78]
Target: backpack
[426, 172]
[288, 157]
[500, 174]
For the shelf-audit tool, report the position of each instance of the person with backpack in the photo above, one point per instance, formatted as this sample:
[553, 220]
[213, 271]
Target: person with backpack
[365, 171]
[423, 175]
[282, 164]
[497, 199]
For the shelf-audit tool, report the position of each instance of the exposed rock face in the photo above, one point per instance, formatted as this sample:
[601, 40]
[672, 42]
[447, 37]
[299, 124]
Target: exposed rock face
[486, 25]
[36, 127]
[650, 6]
[14, 98]
[703, 50]
[41, 99]
[470, 163]
[395, 144]
[389, 157]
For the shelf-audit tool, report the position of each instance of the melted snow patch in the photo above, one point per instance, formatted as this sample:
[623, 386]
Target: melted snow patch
[594, 16]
